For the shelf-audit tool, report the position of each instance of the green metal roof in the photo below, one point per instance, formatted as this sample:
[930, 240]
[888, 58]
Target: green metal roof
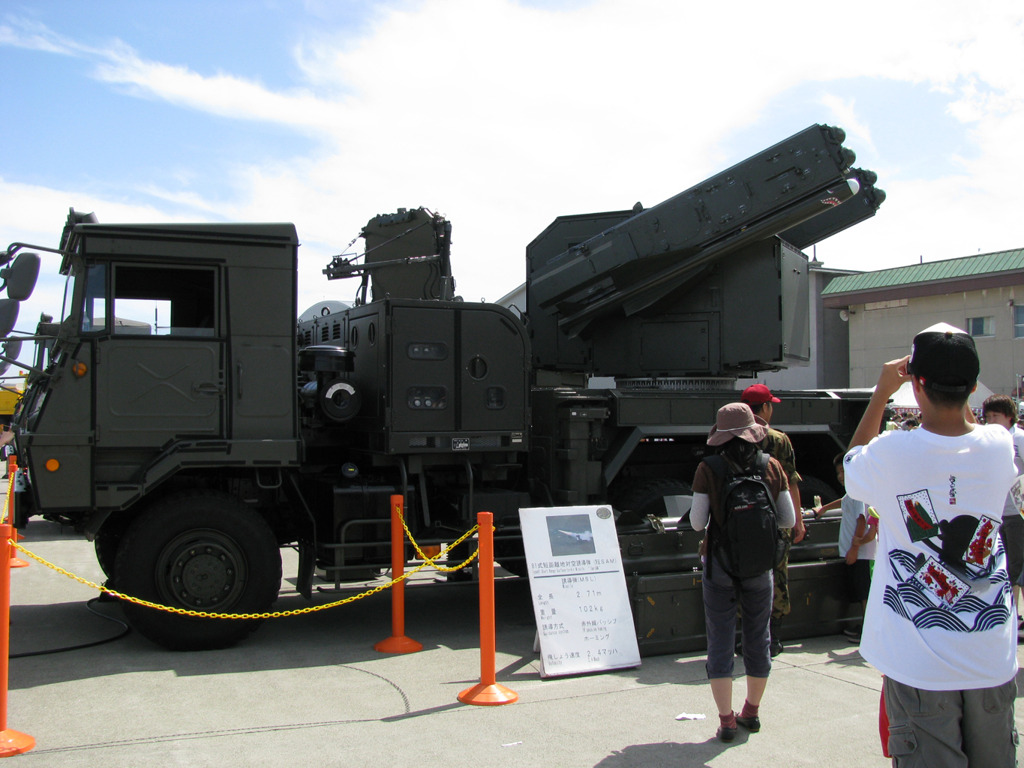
[930, 271]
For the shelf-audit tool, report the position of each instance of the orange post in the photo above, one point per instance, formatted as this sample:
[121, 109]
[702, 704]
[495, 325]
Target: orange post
[488, 691]
[398, 642]
[11, 742]
[12, 471]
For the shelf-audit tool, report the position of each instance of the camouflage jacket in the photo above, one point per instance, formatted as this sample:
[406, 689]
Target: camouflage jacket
[777, 444]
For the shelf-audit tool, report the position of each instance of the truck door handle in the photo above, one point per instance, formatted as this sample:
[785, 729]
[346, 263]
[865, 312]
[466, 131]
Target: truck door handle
[208, 388]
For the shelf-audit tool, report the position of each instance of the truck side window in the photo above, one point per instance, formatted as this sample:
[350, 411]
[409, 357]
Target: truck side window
[94, 312]
[162, 301]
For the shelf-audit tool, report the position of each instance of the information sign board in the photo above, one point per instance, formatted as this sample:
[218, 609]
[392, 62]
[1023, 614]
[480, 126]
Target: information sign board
[580, 602]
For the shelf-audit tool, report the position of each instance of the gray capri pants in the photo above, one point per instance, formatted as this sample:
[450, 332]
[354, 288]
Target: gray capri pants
[721, 597]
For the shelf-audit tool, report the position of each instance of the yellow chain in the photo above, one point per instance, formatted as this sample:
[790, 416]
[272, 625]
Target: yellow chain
[10, 490]
[427, 562]
[433, 560]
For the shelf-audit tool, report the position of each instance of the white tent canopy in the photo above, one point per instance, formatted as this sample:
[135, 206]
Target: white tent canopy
[904, 397]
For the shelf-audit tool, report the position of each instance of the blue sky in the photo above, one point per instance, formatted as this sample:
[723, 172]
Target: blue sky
[500, 114]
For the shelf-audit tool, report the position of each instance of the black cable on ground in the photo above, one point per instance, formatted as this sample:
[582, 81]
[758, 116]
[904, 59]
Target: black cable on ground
[125, 629]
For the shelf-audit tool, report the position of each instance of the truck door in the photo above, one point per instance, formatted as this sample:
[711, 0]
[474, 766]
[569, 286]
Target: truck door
[159, 359]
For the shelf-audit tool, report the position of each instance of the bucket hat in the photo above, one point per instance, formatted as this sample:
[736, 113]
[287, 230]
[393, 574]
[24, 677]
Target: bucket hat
[737, 420]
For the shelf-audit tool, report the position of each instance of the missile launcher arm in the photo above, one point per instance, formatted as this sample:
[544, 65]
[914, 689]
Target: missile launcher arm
[590, 278]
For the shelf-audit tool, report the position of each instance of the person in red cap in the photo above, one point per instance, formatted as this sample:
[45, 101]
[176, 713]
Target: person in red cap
[778, 445]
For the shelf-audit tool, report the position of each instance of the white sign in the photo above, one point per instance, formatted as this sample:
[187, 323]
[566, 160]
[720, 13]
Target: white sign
[580, 602]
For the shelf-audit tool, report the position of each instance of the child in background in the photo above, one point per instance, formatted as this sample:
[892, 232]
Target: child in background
[857, 531]
[1002, 410]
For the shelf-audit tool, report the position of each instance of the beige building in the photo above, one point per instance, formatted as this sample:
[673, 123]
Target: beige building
[982, 294]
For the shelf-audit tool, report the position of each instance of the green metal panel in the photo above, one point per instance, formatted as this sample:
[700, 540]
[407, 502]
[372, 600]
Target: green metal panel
[949, 269]
[150, 390]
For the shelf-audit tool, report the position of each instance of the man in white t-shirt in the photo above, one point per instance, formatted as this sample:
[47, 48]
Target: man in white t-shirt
[940, 624]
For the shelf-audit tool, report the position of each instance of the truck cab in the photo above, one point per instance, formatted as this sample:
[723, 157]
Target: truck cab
[176, 344]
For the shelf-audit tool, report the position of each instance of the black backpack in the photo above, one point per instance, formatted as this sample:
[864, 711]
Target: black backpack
[745, 534]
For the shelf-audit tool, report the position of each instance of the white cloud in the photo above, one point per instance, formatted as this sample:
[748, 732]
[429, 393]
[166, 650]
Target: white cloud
[844, 111]
[33, 36]
[504, 116]
[220, 94]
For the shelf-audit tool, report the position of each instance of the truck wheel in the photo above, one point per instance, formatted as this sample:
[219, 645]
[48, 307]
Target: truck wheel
[811, 487]
[509, 553]
[203, 551]
[636, 500]
[107, 542]
[106, 554]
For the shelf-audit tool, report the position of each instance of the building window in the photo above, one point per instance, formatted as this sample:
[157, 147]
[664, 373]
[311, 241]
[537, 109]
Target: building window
[979, 326]
[1018, 322]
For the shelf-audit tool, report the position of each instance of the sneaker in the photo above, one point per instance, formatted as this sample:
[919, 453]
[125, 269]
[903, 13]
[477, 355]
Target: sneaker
[752, 724]
[726, 734]
[775, 647]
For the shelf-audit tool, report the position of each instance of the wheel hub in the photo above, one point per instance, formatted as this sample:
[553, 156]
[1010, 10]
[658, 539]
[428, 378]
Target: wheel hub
[204, 572]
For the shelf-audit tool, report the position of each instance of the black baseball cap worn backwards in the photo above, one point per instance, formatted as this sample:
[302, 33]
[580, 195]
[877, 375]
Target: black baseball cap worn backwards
[944, 359]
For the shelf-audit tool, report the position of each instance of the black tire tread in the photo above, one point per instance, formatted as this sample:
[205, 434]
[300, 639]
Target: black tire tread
[143, 541]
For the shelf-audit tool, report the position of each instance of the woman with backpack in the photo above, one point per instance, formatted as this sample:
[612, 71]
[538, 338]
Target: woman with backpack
[741, 496]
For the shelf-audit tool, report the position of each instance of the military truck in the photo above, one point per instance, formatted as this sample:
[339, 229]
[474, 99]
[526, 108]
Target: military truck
[192, 448]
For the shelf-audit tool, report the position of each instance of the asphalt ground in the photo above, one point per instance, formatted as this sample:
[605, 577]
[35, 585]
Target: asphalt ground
[311, 690]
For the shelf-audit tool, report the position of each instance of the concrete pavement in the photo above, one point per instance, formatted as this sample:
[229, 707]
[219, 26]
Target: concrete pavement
[312, 690]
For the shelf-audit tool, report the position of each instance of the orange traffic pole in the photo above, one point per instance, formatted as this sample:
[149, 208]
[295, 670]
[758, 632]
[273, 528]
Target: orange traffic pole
[12, 472]
[488, 692]
[11, 742]
[398, 642]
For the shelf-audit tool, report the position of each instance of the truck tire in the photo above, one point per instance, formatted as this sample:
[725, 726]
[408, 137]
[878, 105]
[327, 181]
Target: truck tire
[106, 546]
[107, 542]
[509, 553]
[638, 499]
[200, 550]
[811, 487]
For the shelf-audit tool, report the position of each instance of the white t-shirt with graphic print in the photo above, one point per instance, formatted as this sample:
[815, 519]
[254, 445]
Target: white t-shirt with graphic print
[940, 614]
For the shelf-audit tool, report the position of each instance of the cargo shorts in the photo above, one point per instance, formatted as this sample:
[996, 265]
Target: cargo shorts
[951, 729]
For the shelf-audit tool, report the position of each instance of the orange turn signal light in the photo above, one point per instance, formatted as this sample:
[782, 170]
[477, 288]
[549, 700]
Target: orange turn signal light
[52, 465]
[79, 369]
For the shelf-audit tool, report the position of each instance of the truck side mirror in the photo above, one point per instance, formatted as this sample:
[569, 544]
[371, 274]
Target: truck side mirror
[21, 276]
[12, 348]
[8, 316]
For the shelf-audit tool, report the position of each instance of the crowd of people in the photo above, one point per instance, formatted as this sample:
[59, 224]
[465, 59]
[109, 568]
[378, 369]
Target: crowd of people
[908, 418]
[932, 495]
